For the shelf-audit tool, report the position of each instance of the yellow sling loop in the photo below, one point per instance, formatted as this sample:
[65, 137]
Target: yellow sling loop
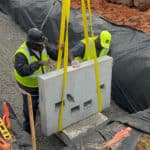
[97, 76]
[66, 12]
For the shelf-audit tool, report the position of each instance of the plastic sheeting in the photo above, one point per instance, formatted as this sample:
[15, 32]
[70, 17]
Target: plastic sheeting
[131, 70]
[130, 48]
[43, 14]
[139, 122]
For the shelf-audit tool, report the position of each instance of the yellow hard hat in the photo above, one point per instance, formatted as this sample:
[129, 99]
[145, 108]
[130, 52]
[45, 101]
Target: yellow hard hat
[105, 39]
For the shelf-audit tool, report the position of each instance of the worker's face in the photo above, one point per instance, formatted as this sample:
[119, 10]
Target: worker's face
[97, 42]
[37, 47]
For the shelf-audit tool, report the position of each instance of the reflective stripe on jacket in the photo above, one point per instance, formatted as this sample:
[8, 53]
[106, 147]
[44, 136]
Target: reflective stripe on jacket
[31, 81]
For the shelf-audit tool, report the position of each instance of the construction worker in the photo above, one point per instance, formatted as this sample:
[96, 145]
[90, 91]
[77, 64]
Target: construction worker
[102, 45]
[30, 60]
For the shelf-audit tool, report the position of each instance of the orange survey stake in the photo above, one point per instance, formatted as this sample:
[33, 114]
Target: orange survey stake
[6, 116]
[117, 137]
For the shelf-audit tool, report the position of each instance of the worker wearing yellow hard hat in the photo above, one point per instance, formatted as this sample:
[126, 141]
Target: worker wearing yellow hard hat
[105, 39]
[102, 44]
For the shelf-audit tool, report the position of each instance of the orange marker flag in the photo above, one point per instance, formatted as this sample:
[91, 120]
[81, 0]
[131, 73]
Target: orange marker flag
[6, 117]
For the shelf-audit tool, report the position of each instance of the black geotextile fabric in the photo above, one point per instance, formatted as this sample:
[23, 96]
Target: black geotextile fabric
[23, 139]
[95, 138]
[130, 48]
[139, 120]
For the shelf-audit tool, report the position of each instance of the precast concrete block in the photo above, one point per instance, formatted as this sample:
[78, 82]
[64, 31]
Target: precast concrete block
[80, 94]
[73, 132]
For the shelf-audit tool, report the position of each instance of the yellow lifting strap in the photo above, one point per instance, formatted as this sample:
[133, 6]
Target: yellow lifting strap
[62, 33]
[85, 27]
[97, 75]
[66, 12]
[90, 17]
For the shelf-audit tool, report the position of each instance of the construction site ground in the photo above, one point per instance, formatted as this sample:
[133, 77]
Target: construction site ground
[11, 36]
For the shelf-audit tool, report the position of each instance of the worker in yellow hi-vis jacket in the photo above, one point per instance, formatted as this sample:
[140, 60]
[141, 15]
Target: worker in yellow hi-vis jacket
[30, 60]
[102, 44]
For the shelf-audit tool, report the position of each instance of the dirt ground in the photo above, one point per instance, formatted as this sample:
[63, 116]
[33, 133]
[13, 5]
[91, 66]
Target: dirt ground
[120, 14]
[144, 143]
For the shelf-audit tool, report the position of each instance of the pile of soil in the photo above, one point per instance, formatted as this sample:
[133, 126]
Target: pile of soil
[120, 14]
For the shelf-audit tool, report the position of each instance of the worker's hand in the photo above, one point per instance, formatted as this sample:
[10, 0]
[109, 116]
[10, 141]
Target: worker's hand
[51, 64]
[44, 63]
[75, 63]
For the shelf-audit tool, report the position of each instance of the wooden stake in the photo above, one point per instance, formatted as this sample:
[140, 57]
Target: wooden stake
[32, 127]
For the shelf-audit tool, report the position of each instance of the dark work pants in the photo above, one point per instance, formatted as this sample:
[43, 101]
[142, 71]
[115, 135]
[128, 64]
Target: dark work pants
[35, 102]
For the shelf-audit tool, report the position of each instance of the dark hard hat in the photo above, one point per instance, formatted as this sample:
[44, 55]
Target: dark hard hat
[36, 36]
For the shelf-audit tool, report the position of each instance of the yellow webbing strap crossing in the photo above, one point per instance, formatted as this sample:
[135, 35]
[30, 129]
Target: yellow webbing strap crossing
[97, 76]
[4, 131]
[66, 12]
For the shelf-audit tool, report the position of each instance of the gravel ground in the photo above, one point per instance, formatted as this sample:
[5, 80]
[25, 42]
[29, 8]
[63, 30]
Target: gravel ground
[11, 36]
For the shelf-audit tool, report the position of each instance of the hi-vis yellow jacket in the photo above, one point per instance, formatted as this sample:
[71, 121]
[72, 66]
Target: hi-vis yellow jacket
[31, 81]
[103, 51]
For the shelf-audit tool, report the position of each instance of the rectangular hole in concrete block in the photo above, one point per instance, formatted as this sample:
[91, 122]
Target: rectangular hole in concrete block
[58, 104]
[102, 86]
[75, 109]
[87, 103]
